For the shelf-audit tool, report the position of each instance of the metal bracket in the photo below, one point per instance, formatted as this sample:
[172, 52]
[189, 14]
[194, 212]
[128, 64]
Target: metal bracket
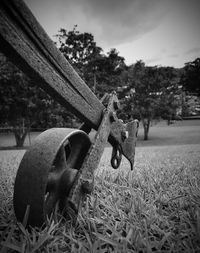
[84, 181]
[110, 127]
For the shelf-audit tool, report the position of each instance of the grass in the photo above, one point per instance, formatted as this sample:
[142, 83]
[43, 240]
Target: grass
[179, 133]
[154, 208]
[182, 132]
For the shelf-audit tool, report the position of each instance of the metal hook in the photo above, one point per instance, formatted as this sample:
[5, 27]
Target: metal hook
[116, 156]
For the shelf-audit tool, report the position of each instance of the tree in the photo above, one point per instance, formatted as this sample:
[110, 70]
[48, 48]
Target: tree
[23, 105]
[191, 76]
[149, 89]
[108, 72]
[78, 48]
[15, 103]
[170, 99]
[101, 72]
[146, 94]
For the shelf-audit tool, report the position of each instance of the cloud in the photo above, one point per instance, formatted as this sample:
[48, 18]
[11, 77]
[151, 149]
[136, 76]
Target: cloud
[195, 50]
[112, 22]
[173, 55]
[122, 21]
[152, 60]
[155, 30]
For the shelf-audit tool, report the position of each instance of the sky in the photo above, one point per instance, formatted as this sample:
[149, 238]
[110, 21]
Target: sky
[159, 32]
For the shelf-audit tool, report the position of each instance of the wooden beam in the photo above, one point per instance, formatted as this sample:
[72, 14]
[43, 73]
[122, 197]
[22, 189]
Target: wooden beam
[25, 42]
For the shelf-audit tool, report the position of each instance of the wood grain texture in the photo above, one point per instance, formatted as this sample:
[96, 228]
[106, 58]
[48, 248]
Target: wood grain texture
[25, 42]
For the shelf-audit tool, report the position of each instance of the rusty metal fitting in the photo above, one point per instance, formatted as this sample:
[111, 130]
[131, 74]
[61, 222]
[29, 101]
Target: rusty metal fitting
[124, 135]
[112, 117]
[87, 186]
[116, 105]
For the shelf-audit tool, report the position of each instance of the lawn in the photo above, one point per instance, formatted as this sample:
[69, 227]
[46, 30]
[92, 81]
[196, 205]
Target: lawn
[154, 208]
[181, 132]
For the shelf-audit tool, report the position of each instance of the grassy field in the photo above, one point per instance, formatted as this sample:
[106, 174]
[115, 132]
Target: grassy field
[154, 208]
[180, 133]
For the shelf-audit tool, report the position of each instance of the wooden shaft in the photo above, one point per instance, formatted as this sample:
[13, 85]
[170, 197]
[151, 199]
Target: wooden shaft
[24, 41]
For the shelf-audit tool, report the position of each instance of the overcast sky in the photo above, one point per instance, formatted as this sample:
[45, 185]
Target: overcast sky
[159, 32]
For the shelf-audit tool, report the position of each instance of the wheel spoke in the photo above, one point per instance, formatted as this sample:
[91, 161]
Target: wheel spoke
[51, 199]
[46, 175]
[60, 163]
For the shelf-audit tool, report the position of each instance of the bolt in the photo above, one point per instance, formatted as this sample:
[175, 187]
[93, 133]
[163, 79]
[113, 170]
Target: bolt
[124, 135]
[116, 105]
[87, 186]
[112, 117]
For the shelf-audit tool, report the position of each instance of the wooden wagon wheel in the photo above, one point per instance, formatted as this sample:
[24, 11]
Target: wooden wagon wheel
[47, 172]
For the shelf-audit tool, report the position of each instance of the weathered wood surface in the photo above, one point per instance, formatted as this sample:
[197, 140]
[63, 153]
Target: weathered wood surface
[25, 42]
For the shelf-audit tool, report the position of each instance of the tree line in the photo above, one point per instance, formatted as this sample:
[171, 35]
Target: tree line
[145, 92]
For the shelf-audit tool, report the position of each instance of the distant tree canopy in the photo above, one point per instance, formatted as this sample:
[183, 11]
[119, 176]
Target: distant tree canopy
[151, 93]
[191, 76]
[78, 48]
[24, 105]
[108, 70]
[101, 72]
